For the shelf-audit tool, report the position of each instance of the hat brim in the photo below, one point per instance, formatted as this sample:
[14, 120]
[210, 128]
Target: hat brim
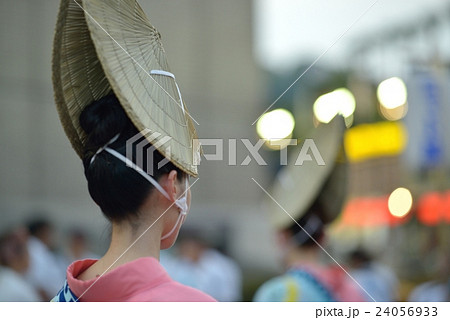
[111, 45]
[296, 187]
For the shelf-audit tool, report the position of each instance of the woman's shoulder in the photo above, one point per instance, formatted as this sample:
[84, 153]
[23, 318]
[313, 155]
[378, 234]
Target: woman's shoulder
[172, 291]
[142, 279]
[159, 286]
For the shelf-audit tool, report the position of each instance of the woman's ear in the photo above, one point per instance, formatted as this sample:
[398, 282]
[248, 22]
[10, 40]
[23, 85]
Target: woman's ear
[171, 185]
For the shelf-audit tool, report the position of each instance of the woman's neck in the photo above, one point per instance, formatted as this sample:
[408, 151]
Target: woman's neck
[298, 256]
[132, 242]
[128, 242]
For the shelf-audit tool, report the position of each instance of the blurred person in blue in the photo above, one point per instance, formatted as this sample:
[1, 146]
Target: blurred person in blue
[309, 195]
[376, 278]
[14, 262]
[437, 289]
[196, 264]
[431, 291]
[45, 272]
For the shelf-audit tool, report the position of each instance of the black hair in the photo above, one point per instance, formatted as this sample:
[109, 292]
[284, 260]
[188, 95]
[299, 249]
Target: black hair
[117, 189]
[312, 222]
[36, 226]
[360, 256]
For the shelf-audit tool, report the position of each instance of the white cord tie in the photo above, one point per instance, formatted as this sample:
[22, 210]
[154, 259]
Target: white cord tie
[171, 75]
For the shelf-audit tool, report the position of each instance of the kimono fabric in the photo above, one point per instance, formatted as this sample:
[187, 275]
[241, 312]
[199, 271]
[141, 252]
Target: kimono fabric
[310, 283]
[143, 279]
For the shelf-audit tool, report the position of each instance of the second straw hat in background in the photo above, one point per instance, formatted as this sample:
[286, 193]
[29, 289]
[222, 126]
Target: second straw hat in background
[297, 187]
[104, 45]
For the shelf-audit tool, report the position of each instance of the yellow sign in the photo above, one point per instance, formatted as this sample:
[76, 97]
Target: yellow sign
[375, 140]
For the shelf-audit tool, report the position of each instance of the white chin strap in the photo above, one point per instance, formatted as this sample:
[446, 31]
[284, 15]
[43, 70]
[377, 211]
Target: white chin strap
[180, 220]
[181, 203]
[170, 75]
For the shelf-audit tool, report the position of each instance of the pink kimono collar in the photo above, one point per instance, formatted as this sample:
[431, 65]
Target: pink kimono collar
[118, 284]
[143, 279]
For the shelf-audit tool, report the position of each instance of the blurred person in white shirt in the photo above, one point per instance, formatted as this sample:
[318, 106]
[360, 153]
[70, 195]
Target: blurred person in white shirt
[197, 265]
[14, 262]
[377, 279]
[45, 272]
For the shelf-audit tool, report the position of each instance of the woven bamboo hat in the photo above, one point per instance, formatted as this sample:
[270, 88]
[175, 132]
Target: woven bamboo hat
[104, 45]
[297, 187]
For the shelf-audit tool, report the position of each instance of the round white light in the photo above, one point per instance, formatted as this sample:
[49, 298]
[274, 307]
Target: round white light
[392, 93]
[275, 125]
[400, 202]
[340, 101]
[345, 101]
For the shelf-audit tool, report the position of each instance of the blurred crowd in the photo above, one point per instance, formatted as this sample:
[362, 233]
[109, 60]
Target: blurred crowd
[32, 265]
[32, 268]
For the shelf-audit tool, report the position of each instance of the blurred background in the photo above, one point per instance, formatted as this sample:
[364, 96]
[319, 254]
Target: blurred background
[383, 65]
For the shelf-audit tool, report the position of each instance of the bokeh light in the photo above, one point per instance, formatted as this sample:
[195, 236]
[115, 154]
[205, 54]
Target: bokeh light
[340, 101]
[392, 93]
[395, 114]
[400, 202]
[274, 126]
[278, 144]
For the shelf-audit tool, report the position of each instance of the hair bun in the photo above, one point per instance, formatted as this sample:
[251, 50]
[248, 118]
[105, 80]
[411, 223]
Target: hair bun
[102, 120]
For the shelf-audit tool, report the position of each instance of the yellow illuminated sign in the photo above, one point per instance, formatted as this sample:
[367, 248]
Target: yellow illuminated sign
[375, 140]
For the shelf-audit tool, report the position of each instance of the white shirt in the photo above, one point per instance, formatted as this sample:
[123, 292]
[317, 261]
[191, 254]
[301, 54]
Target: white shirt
[378, 280]
[215, 274]
[14, 288]
[45, 271]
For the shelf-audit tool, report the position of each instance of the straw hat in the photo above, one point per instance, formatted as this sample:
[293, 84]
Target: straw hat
[297, 187]
[104, 45]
